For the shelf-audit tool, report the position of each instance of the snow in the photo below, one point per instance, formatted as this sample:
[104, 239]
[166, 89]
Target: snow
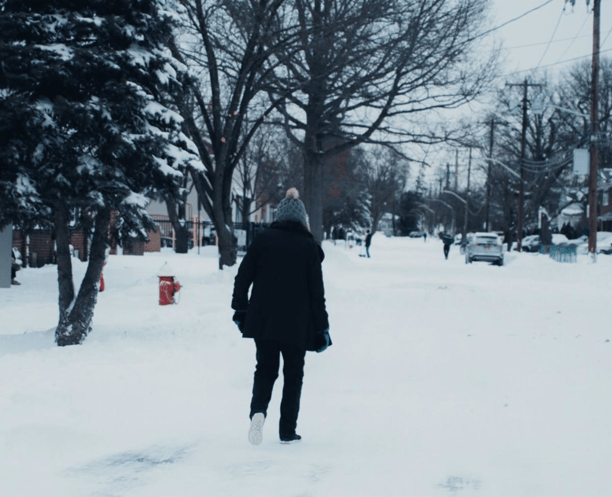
[444, 379]
[137, 200]
[139, 56]
[60, 49]
[165, 168]
[573, 210]
[159, 111]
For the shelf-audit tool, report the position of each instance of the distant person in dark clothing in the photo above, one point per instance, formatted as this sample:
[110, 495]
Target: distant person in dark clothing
[285, 313]
[425, 236]
[368, 242]
[447, 240]
[15, 266]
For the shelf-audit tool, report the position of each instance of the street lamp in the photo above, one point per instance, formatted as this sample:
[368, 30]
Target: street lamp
[451, 208]
[454, 194]
[465, 217]
[507, 168]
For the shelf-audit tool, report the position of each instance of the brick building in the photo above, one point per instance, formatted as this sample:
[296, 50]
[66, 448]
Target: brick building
[37, 246]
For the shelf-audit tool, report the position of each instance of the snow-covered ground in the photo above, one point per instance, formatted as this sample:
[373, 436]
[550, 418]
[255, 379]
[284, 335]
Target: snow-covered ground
[444, 379]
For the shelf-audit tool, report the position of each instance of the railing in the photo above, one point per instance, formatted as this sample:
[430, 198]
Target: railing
[562, 252]
[203, 233]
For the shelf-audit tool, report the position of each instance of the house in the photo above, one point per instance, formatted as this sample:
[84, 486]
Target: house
[604, 194]
[573, 215]
[385, 225]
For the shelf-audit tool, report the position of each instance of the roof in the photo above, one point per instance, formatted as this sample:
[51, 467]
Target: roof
[574, 209]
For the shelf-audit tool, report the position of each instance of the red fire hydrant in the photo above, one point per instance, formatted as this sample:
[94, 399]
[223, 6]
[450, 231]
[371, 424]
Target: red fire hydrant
[102, 286]
[168, 288]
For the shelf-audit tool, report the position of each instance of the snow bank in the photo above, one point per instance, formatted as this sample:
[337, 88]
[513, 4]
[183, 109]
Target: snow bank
[444, 379]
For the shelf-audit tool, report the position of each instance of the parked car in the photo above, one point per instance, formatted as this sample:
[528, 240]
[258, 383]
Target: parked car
[532, 243]
[416, 234]
[604, 243]
[485, 247]
[166, 241]
[459, 238]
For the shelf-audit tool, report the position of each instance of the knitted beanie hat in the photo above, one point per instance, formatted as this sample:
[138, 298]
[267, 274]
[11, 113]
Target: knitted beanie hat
[291, 208]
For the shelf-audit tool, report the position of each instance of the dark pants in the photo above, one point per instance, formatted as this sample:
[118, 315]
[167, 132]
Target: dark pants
[266, 372]
[446, 250]
[367, 250]
[14, 268]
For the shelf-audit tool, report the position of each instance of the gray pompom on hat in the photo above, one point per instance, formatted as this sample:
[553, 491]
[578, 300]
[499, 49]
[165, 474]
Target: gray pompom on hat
[291, 208]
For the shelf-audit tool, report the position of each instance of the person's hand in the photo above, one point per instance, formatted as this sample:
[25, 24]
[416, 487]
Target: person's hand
[239, 318]
[325, 340]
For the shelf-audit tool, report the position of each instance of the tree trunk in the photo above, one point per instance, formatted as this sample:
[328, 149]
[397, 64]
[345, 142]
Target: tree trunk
[61, 220]
[176, 213]
[313, 188]
[181, 240]
[75, 323]
[228, 252]
[245, 211]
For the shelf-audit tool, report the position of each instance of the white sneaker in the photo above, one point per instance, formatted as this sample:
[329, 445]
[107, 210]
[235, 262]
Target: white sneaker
[256, 430]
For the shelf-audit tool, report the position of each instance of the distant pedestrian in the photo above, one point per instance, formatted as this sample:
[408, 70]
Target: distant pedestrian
[447, 240]
[15, 265]
[425, 236]
[368, 242]
[285, 312]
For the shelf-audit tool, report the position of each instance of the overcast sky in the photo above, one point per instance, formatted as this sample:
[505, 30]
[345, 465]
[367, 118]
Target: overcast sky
[550, 35]
[551, 38]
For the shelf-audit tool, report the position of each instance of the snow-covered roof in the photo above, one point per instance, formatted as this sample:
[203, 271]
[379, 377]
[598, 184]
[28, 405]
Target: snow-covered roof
[574, 209]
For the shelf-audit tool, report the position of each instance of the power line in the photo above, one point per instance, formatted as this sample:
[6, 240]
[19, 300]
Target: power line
[575, 38]
[560, 40]
[557, 63]
[514, 19]
[551, 39]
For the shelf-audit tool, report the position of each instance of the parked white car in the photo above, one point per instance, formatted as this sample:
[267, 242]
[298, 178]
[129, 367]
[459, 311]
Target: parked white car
[532, 243]
[485, 247]
[604, 243]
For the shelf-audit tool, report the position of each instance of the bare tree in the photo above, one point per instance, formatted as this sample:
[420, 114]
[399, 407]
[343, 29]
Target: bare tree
[266, 170]
[574, 94]
[228, 45]
[345, 199]
[369, 68]
[386, 173]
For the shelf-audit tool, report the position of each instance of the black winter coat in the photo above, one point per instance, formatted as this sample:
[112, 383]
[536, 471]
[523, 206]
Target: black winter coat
[287, 302]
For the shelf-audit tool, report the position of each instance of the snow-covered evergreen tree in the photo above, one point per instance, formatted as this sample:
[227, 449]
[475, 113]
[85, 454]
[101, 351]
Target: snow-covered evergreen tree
[85, 126]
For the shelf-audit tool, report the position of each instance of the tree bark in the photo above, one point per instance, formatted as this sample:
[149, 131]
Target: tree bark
[65, 283]
[176, 213]
[228, 252]
[313, 186]
[75, 322]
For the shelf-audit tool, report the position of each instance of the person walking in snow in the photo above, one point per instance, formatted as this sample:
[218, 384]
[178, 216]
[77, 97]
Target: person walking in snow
[15, 265]
[447, 240]
[368, 242]
[286, 313]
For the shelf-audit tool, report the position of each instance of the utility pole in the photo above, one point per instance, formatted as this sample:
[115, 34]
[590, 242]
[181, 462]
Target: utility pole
[456, 169]
[519, 236]
[594, 166]
[521, 206]
[492, 124]
[467, 201]
[594, 139]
